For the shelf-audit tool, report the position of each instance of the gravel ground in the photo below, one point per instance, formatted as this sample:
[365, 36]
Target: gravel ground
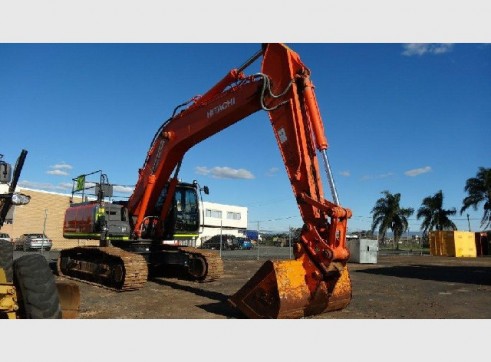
[396, 287]
[409, 306]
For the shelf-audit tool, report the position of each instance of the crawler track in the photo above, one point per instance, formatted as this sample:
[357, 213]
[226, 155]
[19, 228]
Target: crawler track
[209, 264]
[108, 267]
[119, 270]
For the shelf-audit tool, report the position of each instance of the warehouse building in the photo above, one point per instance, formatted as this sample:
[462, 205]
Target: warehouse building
[44, 213]
[223, 219]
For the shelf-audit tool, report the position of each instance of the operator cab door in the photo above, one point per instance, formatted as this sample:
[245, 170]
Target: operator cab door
[183, 219]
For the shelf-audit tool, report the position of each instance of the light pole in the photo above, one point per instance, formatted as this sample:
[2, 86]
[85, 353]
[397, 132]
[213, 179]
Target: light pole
[257, 242]
[44, 230]
[221, 242]
[290, 241]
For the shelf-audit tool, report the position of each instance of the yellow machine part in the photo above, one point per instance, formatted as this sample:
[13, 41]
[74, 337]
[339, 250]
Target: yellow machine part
[8, 297]
[69, 295]
[292, 289]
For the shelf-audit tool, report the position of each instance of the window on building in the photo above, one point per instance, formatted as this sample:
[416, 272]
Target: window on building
[217, 214]
[233, 215]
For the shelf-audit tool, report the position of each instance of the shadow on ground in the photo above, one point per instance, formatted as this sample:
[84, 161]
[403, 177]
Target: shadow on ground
[451, 274]
[221, 307]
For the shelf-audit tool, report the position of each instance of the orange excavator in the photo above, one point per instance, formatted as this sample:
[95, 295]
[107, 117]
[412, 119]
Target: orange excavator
[316, 281]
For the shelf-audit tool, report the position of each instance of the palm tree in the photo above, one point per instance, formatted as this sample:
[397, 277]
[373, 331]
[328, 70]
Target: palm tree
[434, 215]
[388, 214]
[479, 190]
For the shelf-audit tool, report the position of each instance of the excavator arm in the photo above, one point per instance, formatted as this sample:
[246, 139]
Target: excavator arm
[207, 116]
[317, 280]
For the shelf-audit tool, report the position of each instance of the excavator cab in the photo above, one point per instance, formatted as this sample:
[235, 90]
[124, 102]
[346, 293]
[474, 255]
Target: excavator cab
[89, 219]
[183, 218]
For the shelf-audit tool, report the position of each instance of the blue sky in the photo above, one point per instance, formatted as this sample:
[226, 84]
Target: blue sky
[408, 118]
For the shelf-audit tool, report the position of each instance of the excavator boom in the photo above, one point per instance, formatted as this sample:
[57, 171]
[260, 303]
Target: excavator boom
[200, 121]
[284, 89]
[317, 280]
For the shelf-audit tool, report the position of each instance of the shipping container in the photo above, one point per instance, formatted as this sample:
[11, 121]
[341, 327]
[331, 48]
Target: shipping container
[483, 240]
[453, 243]
[435, 243]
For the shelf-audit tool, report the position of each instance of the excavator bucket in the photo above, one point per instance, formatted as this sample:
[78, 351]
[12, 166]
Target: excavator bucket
[69, 295]
[289, 289]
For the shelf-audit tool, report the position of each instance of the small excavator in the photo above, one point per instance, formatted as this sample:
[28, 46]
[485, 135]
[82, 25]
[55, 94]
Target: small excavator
[149, 229]
[28, 289]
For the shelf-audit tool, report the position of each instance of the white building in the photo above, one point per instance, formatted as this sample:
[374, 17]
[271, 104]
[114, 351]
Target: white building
[222, 219]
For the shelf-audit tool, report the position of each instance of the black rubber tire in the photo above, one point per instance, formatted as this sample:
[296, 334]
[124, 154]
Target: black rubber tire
[36, 288]
[7, 259]
[198, 268]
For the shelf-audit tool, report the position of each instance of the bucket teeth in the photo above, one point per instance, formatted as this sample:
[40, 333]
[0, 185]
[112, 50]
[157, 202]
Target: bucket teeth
[288, 289]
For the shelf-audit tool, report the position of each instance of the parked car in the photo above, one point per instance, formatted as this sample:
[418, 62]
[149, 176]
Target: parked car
[245, 244]
[5, 237]
[229, 242]
[33, 241]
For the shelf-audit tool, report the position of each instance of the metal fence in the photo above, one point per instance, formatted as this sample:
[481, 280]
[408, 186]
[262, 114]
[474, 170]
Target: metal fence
[259, 252]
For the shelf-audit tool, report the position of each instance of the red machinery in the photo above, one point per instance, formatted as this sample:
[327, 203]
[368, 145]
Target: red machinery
[318, 279]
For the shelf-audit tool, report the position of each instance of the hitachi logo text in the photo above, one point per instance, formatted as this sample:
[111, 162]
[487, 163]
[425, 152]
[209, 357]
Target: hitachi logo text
[220, 107]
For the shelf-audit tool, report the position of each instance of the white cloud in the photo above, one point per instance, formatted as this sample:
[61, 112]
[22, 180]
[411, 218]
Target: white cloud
[345, 173]
[422, 48]
[417, 171]
[442, 48]
[62, 187]
[273, 171]
[224, 172]
[62, 166]
[65, 185]
[379, 176]
[201, 170]
[57, 172]
[123, 189]
[59, 169]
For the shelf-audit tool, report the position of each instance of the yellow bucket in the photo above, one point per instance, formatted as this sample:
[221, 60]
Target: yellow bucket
[292, 289]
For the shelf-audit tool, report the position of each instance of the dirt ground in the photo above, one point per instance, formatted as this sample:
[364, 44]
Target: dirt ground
[396, 287]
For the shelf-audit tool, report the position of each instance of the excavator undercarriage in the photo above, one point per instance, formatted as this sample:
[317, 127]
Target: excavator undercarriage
[119, 270]
[109, 267]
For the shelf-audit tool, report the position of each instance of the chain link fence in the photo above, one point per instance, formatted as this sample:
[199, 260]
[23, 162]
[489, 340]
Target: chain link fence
[259, 252]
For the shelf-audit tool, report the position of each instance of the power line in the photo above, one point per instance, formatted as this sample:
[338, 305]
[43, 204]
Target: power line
[277, 219]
